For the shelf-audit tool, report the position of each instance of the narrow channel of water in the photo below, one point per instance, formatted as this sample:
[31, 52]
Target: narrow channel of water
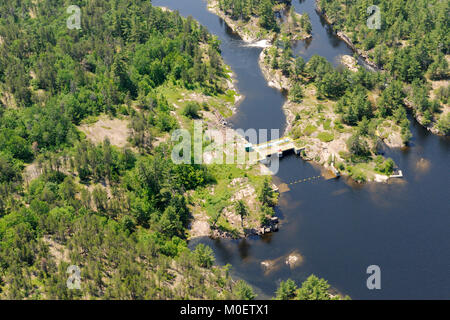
[338, 227]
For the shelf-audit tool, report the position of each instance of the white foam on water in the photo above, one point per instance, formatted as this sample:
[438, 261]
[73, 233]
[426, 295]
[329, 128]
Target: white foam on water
[259, 44]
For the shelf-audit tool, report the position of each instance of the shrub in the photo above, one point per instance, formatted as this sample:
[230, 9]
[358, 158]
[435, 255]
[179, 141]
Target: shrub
[191, 110]
[385, 167]
[310, 129]
[296, 93]
[325, 136]
[204, 256]
[358, 146]
[444, 124]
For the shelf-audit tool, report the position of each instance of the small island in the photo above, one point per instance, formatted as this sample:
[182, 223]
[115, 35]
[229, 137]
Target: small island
[262, 20]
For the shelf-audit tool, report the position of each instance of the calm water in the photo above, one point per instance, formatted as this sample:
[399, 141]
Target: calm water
[339, 228]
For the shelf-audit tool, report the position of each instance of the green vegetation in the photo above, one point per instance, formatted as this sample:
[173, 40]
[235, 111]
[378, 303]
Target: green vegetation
[296, 93]
[412, 56]
[444, 124]
[226, 197]
[312, 288]
[256, 19]
[191, 110]
[325, 136]
[384, 166]
[331, 103]
[244, 9]
[426, 42]
[241, 210]
[305, 23]
[121, 216]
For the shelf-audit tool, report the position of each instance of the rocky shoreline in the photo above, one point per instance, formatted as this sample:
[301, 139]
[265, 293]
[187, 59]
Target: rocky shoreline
[319, 151]
[200, 225]
[276, 79]
[344, 37]
[212, 6]
[419, 118]
[251, 37]
[374, 67]
[270, 227]
[350, 62]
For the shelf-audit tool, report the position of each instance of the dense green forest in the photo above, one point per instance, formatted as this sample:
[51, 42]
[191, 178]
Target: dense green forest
[412, 45]
[120, 214]
[244, 9]
[127, 237]
[265, 13]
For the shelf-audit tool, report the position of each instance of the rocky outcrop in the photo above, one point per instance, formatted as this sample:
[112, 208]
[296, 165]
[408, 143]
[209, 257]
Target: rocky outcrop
[275, 78]
[271, 226]
[250, 31]
[245, 33]
[420, 119]
[350, 62]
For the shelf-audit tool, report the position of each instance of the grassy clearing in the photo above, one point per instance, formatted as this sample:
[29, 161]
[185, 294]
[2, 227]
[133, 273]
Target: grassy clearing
[325, 136]
[223, 102]
[230, 180]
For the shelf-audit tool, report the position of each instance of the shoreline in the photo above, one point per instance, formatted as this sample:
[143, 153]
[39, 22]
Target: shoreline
[319, 151]
[200, 226]
[344, 37]
[255, 38]
[249, 39]
[275, 79]
[432, 127]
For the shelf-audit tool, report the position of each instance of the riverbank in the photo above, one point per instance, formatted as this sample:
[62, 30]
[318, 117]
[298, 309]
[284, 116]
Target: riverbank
[213, 207]
[318, 129]
[247, 34]
[321, 132]
[313, 124]
[251, 32]
[344, 37]
[430, 123]
[335, 219]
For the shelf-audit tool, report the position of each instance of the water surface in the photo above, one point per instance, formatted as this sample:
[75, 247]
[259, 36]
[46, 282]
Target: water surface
[338, 227]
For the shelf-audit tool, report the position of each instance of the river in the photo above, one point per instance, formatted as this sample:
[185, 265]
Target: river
[339, 228]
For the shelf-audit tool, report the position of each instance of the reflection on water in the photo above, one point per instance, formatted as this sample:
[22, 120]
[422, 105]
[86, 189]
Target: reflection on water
[339, 227]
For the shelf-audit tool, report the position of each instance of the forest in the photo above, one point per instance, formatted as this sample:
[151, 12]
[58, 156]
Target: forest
[120, 214]
[412, 45]
[267, 13]
[244, 9]
[128, 237]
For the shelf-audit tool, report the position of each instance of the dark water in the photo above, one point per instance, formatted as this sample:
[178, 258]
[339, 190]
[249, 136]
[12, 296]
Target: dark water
[339, 228]
[324, 42]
